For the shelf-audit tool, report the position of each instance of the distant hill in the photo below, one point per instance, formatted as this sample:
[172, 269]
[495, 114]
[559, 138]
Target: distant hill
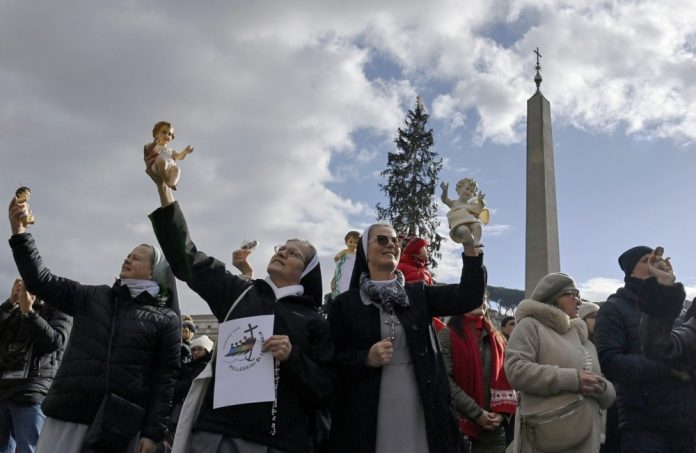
[505, 297]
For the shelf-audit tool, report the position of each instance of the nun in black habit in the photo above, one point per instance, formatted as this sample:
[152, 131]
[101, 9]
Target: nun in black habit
[301, 343]
[393, 391]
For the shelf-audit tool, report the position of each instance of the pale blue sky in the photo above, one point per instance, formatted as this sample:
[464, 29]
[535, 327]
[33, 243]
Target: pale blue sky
[292, 108]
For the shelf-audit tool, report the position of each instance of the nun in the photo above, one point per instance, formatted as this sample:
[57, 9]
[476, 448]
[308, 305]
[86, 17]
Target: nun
[301, 343]
[122, 356]
[395, 396]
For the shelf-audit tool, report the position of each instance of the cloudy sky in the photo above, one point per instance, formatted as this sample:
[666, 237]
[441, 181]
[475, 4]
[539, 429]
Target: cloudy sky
[292, 107]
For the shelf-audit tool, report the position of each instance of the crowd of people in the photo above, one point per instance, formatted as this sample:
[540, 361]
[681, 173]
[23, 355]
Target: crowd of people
[397, 362]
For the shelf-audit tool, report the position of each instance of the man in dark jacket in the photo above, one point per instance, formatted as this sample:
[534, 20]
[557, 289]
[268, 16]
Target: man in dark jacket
[32, 341]
[301, 342]
[133, 316]
[656, 403]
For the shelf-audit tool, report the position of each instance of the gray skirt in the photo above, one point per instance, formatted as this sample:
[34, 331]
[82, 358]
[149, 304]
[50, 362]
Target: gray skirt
[66, 437]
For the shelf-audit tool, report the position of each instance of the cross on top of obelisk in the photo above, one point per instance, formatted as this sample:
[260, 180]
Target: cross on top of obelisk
[537, 78]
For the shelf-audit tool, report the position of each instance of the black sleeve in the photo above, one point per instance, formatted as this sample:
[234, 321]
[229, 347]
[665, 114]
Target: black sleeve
[66, 295]
[49, 336]
[349, 363]
[164, 376]
[446, 300]
[612, 344]
[5, 310]
[660, 306]
[205, 275]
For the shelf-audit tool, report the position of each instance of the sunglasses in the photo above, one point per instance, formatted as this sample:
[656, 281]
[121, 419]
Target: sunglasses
[384, 240]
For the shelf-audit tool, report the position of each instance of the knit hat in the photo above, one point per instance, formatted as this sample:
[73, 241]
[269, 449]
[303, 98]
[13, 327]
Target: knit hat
[629, 258]
[190, 325]
[552, 286]
[204, 342]
[586, 309]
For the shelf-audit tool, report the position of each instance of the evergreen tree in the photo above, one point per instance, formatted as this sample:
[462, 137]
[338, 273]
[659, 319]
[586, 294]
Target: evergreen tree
[411, 175]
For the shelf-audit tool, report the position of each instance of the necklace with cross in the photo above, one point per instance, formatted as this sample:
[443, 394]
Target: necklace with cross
[392, 323]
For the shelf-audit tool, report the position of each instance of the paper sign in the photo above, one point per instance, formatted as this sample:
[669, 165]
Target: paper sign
[243, 374]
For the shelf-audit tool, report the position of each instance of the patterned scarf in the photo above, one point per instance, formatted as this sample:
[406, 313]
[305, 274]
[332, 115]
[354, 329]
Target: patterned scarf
[387, 295]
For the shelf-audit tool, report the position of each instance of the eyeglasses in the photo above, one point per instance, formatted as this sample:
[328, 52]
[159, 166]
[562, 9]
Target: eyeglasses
[572, 292]
[383, 240]
[289, 251]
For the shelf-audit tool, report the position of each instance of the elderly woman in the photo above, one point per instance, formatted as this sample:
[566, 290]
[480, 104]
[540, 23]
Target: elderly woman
[123, 353]
[473, 351]
[394, 394]
[301, 342]
[554, 368]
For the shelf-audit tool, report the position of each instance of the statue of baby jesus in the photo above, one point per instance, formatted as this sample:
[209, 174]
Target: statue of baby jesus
[663, 270]
[22, 195]
[165, 166]
[467, 212]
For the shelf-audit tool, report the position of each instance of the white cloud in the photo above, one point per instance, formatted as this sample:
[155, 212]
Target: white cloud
[268, 96]
[597, 289]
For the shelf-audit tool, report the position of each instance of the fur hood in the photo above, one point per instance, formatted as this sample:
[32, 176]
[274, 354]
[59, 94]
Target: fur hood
[550, 316]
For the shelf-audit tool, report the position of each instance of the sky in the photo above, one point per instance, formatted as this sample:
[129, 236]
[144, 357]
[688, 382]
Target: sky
[292, 109]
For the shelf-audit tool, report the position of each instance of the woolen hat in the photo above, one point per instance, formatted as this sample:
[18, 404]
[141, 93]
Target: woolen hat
[204, 342]
[629, 258]
[586, 309]
[190, 325]
[552, 286]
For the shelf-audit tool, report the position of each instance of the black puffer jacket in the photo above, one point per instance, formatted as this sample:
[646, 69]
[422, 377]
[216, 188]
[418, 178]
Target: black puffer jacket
[45, 333]
[649, 396]
[145, 350]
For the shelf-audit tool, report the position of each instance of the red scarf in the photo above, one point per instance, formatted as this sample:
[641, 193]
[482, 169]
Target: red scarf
[468, 370]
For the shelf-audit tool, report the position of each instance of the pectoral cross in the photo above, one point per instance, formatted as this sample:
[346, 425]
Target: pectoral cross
[392, 323]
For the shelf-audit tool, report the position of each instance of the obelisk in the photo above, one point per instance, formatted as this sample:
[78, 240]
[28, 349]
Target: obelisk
[542, 255]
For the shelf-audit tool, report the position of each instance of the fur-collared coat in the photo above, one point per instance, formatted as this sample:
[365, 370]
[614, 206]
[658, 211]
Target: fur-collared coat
[543, 356]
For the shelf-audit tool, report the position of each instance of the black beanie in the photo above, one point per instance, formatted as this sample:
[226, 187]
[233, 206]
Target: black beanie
[629, 258]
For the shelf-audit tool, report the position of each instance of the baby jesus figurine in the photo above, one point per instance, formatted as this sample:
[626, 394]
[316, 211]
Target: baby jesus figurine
[345, 261]
[22, 195]
[165, 166]
[467, 212]
[239, 258]
[663, 270]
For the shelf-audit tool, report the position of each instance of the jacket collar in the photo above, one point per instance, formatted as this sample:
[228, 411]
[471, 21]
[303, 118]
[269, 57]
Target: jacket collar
[267, 291]
[550, 316]
[121, 292]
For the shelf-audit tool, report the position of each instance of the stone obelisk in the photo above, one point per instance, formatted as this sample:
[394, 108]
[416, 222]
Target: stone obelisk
[542, 255]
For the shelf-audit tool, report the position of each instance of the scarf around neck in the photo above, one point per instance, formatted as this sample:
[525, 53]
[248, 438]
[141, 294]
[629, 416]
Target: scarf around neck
[468, 371]
[137, 286]
[285, 291]
[387, 295]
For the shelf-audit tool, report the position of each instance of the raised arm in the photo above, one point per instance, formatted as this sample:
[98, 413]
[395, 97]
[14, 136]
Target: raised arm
[204, 274]
[64, 294]
[180, 155]
[659, 341]
[445, 199]
[456, 299]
